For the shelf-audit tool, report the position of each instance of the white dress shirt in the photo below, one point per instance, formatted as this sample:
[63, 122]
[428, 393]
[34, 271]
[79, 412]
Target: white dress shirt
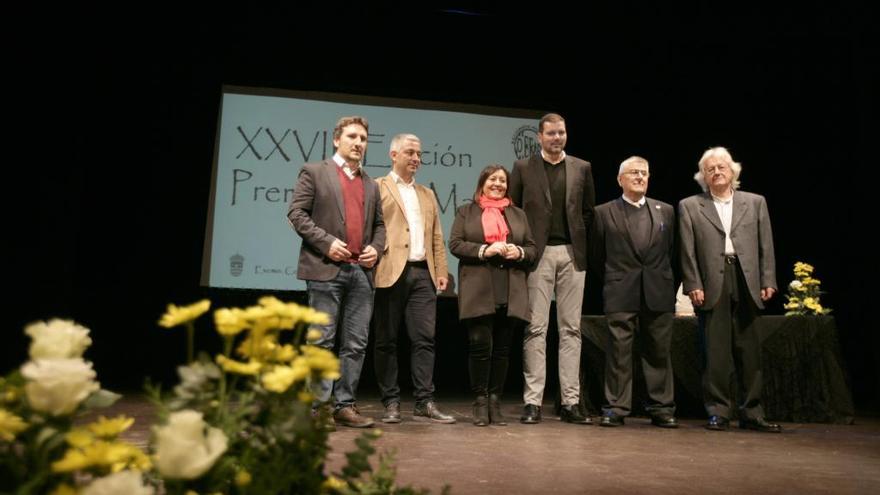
[724, 207]
[413, 214]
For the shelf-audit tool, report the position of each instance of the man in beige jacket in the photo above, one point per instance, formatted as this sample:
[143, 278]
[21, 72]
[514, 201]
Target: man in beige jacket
[412, 271]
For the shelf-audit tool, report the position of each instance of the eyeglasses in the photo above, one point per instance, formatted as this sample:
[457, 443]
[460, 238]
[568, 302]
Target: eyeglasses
[635, 173]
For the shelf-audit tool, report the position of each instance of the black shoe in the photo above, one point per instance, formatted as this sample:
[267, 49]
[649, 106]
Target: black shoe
[664, 421]
[495, 415]
[481, 411]
[718, 423]
[572, 414]
[392, 413]
[429, 410]
[759, 424]
[531, 414]
[611, 419]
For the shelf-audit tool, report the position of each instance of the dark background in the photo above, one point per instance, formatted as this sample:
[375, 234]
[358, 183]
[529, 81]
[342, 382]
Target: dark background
[111, 117]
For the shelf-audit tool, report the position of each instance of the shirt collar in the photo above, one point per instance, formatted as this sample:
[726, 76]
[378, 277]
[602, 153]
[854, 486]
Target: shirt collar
[722, 201]
[637, 204]
[544, 156]
[399, 180]
[340, 162]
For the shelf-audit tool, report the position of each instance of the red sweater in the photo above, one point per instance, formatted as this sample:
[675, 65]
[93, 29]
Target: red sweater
[353, 198]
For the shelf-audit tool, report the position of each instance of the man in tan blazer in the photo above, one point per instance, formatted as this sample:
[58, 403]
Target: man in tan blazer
[412, 271]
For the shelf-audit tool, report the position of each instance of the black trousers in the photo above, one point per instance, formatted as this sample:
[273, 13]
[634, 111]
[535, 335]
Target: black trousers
[411, 302]
[732, 350]
[655, 336]
[489, 351]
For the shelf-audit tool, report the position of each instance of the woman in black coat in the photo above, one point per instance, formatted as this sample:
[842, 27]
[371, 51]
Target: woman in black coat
[492, 240]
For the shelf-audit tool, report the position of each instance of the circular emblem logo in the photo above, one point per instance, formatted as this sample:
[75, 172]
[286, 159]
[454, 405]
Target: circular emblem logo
[525, 142]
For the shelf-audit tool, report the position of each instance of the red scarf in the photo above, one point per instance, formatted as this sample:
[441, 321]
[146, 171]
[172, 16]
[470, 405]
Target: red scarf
[494, 227]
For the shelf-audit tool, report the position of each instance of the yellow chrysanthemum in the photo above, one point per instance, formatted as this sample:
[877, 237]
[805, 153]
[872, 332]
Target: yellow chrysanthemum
[333, 483]
[109, 428]
[73, 460]
[282, 378]
[263, 347]
[230, 321]
[178, 315]
[803, 267]
[10, 425]
[314, 334]
[139, 460]
[243, 478]
[322, 361]
[315, 317]
[102, 454]
[79, 438]
[63, 489]
[232, 366]
[285, 353]
[290, 314]
[270, 302]
[305, 396]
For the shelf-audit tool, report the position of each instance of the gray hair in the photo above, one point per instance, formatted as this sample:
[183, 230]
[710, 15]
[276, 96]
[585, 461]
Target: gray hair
[631, 161]
[722, 153]
[397, 141]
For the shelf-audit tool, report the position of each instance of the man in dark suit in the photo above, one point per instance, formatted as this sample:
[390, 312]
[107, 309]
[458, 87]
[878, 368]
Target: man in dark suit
[632, 244]
[412, 271]
[335, 209]
[729, 270]
[556, 192]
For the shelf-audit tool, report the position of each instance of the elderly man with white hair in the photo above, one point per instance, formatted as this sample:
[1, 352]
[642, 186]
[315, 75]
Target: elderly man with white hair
[632, 247]
[729, 271]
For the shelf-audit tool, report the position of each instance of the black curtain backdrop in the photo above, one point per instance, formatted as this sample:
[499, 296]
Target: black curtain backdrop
[111, 117]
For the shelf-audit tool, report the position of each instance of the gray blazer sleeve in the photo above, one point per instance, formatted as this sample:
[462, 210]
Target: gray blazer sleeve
[299, 214]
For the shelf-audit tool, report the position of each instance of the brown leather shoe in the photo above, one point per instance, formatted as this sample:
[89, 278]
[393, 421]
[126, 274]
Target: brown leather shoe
[429, 410]
[350, 416]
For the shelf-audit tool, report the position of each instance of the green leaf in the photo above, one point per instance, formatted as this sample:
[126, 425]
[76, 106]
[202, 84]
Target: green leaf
[101, 398]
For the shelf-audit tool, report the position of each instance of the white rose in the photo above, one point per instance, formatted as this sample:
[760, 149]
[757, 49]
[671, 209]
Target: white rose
[127, 482]
[59, 339]
[795, 284]
[57, 386]
[187, 447]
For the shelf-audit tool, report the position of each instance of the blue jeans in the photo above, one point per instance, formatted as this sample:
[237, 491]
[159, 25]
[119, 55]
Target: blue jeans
[348, 299]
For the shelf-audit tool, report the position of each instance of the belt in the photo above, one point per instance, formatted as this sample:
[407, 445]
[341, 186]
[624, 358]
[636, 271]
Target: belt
[730, 259]
[417, 264]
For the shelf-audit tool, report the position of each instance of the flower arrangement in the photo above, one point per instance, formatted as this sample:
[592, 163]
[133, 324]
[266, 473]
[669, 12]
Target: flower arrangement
[42, 449]
[240, 423]
[803, 293]
[243, 422]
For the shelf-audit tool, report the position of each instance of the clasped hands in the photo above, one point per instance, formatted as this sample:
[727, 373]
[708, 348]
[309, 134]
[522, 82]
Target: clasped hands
[338, 252]
[503, 249]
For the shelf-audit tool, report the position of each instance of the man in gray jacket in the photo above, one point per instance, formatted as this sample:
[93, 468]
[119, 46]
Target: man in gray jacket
[729, 271]
[336, 210]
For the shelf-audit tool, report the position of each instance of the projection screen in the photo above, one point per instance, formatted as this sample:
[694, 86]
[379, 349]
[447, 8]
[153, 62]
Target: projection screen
[264, 136]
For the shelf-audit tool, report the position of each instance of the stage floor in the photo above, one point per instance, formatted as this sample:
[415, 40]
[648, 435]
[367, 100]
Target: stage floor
[556, 457]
